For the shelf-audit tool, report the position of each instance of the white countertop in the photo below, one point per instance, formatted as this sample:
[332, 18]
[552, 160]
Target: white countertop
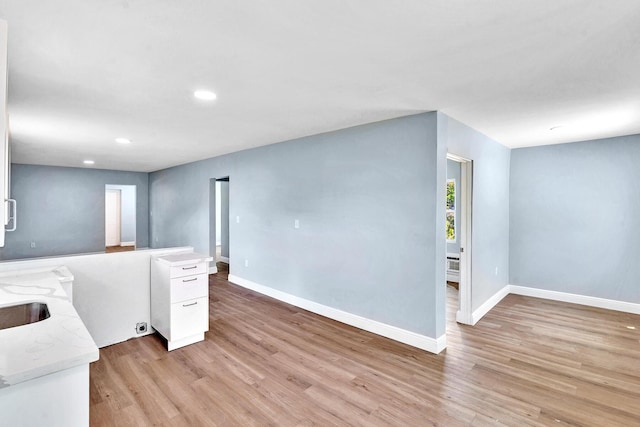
[54, 344]
[183, 258]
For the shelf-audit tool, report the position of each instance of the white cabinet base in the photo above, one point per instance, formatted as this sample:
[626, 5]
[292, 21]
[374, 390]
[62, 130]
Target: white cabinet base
[172, 345]
[180, 298]
[60, 399]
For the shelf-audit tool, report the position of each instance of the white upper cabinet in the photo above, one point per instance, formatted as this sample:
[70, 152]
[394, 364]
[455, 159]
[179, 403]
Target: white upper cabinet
[7, 206]
[4, 127]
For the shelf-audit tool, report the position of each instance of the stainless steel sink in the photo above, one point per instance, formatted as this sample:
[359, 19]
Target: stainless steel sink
[23, 314]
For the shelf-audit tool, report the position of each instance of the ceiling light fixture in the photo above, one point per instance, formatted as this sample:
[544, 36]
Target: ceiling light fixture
[123, 141]
[205, 95]
[88, 162]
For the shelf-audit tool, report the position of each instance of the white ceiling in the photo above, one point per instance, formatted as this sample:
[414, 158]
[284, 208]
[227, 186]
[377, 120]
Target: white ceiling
[83, 72]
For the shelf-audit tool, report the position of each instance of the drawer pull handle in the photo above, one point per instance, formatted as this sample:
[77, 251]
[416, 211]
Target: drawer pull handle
[189, 268]
[187, 305]
[189, 280]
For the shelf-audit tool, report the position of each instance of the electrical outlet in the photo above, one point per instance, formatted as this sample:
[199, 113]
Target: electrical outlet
[296, 223]
[496, 271]
[33, 245]
[246, 263]
[238, 219]
[141, 327]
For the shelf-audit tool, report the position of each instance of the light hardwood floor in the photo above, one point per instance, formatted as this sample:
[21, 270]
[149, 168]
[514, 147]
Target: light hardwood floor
[111, 249]
[527, 362]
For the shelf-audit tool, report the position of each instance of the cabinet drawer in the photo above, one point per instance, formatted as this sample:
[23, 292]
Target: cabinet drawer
[189, 287]
[188, 269]
[189, 318]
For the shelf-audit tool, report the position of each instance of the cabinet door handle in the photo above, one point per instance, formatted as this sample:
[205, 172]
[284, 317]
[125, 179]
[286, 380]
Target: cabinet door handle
[13, 216]
[189, 280]
[187, 305]
[189, 268]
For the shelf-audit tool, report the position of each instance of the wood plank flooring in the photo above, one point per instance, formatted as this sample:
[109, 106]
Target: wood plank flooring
[111, 249]
[529, 362]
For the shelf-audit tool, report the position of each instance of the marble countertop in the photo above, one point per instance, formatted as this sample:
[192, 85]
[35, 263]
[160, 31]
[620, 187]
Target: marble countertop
[54, 344]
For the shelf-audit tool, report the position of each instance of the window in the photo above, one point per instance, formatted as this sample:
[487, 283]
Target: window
[451, 210]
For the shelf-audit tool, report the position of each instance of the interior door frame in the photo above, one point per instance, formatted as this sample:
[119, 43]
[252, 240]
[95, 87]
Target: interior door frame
[465, 314]
[213, 268]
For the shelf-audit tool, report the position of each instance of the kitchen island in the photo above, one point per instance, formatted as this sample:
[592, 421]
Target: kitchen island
[44, 366]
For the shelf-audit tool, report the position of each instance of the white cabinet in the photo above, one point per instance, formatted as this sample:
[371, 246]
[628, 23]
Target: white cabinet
[4, 137]
[180, 297]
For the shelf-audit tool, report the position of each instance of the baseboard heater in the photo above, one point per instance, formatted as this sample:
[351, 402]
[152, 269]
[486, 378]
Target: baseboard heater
[453, 268]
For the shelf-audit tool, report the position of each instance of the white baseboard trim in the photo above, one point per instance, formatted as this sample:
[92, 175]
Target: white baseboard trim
[213, 269]
[627, 307]
[489, 304]
[127, 243]
[224, 259]
[465, 320]
[433, 345]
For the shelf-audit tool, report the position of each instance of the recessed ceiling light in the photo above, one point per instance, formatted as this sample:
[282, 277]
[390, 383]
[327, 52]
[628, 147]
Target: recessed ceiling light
[123, 141]
[205, 95]
[89, 162]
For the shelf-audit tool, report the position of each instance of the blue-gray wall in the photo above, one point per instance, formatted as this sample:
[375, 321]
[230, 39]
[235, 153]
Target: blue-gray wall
[490, 218]
[357, 193]
[127, 210]
[62, 210]
[559, 217]
[453, 172]
[575, 225]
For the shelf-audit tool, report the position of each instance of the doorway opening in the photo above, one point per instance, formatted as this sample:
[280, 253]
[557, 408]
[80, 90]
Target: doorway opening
[219, 224]
[458, 221]
[120, 218]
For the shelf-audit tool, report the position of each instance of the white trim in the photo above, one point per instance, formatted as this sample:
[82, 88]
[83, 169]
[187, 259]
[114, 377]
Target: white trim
[464, 230]
[441, 343]
[627, 307]
[609, 304]
[224, 259]
[433, 345]
[489, 304]
[464, 318]
[457, 158]
[127, 243]
[213, 269]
